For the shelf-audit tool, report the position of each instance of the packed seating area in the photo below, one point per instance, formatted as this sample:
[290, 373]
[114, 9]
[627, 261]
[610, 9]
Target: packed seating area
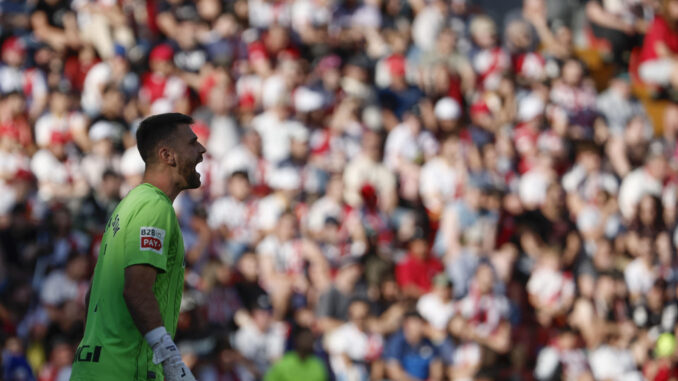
[392, 189]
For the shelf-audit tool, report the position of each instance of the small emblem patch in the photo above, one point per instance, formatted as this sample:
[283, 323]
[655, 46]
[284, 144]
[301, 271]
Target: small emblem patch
[151, 239]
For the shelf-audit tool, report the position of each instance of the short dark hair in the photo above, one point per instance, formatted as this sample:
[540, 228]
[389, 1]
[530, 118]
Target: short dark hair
[156, 129]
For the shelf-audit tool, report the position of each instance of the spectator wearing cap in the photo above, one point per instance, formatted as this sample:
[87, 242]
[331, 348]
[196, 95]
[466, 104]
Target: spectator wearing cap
[332, 308]
[15, 77]
[299, 361]
[261, 339]
[161, 86]
[447, 112]
[410, 355]
[354, 350]
[415, 273]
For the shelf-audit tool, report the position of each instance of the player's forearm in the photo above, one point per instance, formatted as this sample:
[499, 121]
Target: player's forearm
[144, 310]
[140, 299]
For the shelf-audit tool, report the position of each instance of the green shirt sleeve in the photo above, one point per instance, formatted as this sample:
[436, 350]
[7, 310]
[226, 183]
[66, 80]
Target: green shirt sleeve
[146, 240]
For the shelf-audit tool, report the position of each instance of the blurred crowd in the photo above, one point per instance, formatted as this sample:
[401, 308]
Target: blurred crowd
[392, 189]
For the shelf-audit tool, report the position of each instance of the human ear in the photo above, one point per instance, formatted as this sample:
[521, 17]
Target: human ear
[167, 156]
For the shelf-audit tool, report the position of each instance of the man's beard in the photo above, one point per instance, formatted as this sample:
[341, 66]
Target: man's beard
[192, 177]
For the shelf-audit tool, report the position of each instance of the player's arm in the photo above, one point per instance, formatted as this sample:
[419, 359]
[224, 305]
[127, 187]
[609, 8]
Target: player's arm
[139, 297]
[145, 312]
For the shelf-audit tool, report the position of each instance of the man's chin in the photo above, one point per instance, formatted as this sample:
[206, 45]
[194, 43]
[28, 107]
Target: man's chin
[194, 181]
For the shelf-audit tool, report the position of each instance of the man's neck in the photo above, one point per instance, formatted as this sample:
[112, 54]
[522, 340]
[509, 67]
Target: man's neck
[162, 181]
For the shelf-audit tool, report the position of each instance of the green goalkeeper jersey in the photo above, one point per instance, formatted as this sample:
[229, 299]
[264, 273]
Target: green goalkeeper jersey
[143, 229]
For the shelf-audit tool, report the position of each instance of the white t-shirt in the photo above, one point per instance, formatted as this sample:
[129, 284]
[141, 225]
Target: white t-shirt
[58, 288]
[49, 123]
[287, 256]
[550, 287]
[436, 311]
[46, 167]
[235, 215]
[275, 135]
[356, 344]
[532, 188]
[438, 177]
[634, 186]
[608, 363]
[320, 210]
[263, 348]
[401, 142]
[426, 26]
[223, 136]
[96, 78]
[268, 211]
[639, 278]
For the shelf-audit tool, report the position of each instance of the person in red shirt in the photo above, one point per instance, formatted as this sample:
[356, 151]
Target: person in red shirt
[415, 272]
[659, 54]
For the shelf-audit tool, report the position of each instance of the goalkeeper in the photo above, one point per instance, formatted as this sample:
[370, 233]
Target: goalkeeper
[133, 303]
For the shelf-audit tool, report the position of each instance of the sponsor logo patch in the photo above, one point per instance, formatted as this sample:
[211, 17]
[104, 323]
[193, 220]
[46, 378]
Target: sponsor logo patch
[151, 239]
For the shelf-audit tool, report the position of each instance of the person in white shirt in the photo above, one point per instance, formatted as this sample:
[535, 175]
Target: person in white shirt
[231, 217]
[352, 347]
[261, 339]
[366, 168]
[641, 181]
[437, 307]
[408, 145]
[58, 173]
[641, 273]
[61, 119]
[442, 176]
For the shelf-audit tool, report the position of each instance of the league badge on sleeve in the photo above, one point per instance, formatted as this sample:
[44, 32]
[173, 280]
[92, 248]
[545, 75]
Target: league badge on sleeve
[151, 239]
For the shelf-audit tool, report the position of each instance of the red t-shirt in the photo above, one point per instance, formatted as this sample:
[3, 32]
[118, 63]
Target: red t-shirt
[660, 30]
[413, 271]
